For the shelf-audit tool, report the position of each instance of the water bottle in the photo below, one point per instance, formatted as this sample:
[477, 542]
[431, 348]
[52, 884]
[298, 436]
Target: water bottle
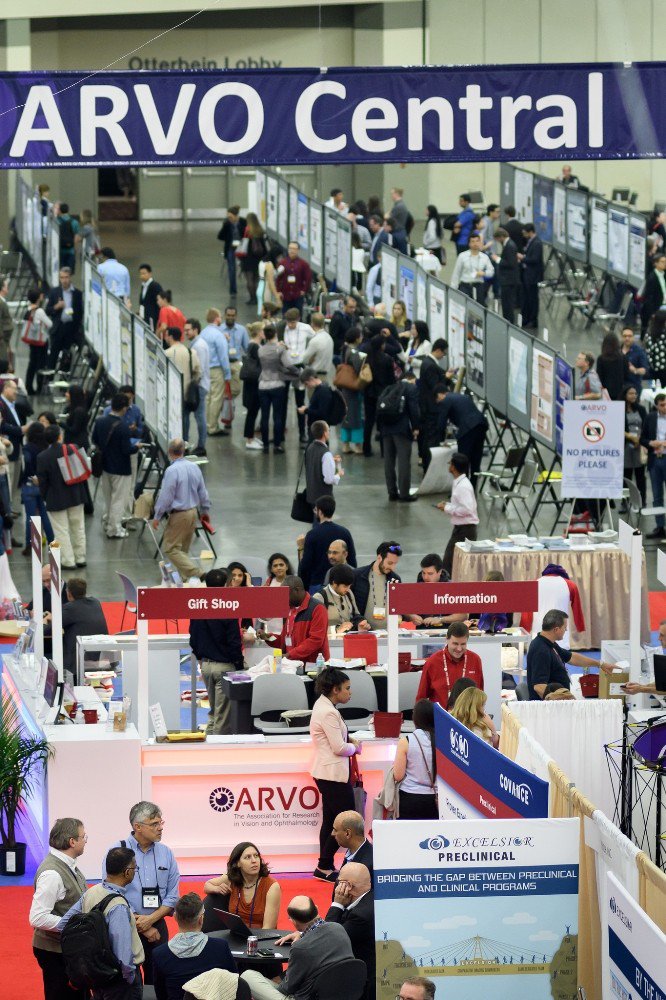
[78, 718]
[320, 662]
[277, 661]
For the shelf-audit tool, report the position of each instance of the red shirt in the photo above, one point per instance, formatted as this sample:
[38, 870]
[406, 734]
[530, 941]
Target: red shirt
[295, 280]
[171, 316]
[440, 672]
[304, 634]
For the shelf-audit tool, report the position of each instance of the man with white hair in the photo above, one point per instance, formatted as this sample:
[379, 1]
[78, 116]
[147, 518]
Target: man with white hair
[182, 496]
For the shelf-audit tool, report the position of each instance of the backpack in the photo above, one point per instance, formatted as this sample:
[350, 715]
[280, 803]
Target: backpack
[391, 404]
[338, 408]
[66, 234]
[86, 948]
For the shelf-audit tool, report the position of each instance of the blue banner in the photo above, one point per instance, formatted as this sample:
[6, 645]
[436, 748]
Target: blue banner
[350, 115]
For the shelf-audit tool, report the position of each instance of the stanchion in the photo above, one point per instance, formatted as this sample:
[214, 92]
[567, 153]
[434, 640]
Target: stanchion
[37, 590]
[631, 543]
[142, 698]
[56, 610]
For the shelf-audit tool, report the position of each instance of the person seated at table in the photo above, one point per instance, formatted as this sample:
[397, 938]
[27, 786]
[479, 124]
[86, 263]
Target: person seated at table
[432, 571]
[304, 632]
[189, 953]
[279, 568]
[340, 602]
[460, 685]
[546, 658]
[447, 665]
[238, 576]
[415, 766]
[251, 892]
[470, 710]
[633, 687]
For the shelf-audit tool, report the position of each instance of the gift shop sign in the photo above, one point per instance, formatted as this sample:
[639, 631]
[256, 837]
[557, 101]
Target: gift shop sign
[212, 602]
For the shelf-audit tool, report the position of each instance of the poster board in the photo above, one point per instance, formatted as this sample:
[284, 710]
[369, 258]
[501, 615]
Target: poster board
[559, 217]
[507, 170]
[96, 321]
[112, 356]
[174, 401]
[152, 349]
[563, 392]
[497, 361]
[421, 308]
[543, 208]
[52, 253]
[456, 327]
[260, 180]
[475, 347]
[618, 242]
[283, 211]
[637, 249]
[272, 206]
[330, 243]
[598, 232]
[161, 391]
[87, 297]
[316, 237]
[407, 284]
[303, 229]
[437, 318]
[542, 403]
[343, 276]
[389, 277]
[523, 195]
[126, 347]
[293, 213]
[577, 224]
[139, 331]
[636, 947]
[519, 380]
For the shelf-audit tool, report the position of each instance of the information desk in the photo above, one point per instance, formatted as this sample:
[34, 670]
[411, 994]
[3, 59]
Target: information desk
[602, 575]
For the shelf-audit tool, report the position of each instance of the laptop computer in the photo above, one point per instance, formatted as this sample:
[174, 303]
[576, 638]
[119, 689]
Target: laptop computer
[660, 672]
[239, 928]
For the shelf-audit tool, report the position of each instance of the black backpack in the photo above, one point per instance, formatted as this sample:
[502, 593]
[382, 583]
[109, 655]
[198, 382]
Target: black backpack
[66, 234]
[338, 408]
[391, 404]
[86, 949]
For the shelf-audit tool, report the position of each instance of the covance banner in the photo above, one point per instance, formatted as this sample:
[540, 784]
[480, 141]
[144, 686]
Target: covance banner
[349, 115]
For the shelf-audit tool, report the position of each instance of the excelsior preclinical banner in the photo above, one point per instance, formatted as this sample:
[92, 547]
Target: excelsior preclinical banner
[348, 115]
[636, 948]
[481, 907]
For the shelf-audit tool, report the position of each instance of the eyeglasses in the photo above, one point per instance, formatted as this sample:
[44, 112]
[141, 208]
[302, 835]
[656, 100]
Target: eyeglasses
[155, 823]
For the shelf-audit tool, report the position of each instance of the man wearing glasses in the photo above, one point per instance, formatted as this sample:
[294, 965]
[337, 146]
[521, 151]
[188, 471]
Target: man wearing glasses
[153, 891]
[59, 884]
[417, 988]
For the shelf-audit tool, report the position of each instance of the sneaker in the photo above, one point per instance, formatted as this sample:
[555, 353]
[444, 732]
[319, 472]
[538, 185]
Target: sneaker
[278, 450]
[123, 533]
[200, 452]
[323, 877]
[254, 445]
[82, 564]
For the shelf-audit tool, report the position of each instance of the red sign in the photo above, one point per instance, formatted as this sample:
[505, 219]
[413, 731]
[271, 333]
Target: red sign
[36, 539]
[213, 602]
[472, 598]
[55, 574]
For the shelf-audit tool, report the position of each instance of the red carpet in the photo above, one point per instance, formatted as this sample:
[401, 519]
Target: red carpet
[19, 968]
[657, 600]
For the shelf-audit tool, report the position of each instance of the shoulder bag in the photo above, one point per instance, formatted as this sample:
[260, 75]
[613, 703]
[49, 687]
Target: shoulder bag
[97, 455]
[301, 510]
[346, 378]
[250, 368]
[360, 794]
[34, 334]
[191, 397]
[74, 465]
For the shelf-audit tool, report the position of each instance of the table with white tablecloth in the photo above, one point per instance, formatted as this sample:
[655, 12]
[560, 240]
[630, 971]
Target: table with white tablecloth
[602, 575]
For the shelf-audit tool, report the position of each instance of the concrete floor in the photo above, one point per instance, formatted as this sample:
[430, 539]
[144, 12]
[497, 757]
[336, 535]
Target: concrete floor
[251, 493]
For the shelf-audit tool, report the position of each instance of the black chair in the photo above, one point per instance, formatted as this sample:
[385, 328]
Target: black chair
[346, 979]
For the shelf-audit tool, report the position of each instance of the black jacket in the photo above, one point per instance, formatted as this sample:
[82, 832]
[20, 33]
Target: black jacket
[319, 407]
[83, 616]
[515, 230]
[217, 639]
[314, 562]
[649, 433]
[508, 269]
[55, 295]
[11, 429]
[462, 411]
[431, 375]
[55, 491]
[653, 298]
[226, 233]
[383, 374]
[341, 323]
[410, 418]
[533, 262]
[613, 374]
[361, 585]
[359, 922]
[148, 299]
[113, 437]
[76, 427]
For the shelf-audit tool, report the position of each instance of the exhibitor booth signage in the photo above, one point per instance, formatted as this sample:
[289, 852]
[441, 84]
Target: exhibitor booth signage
[445, 598]
[556, 111]
[212, 602]
[636, 948]
[593, 449]
[482, 908]
[476, 781]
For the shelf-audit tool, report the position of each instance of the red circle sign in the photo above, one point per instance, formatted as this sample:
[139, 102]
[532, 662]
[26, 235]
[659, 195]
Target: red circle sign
[593, 431]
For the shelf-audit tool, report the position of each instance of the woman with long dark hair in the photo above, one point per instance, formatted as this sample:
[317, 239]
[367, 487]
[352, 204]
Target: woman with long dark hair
[383, 374]
[612, 366]
[279, 568]
[253, 895]
[419, 345]
[331, 769]
[256, 251]
[31, 497]
[634, 419]
[76, 424]
[432, 237]
[415, 766]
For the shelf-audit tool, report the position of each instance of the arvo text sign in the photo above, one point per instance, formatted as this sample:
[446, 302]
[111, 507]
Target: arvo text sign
[273, 116]
[213, 602]
[433, 598]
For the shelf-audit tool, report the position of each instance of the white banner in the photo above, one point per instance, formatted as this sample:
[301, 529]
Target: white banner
[478, 907]
[593, 449]
[636, 948]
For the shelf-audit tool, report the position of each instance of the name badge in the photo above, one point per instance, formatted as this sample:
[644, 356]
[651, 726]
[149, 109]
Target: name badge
[291, 278]
[150, 897]
[379, 613]
[232, 352]
[288, 641]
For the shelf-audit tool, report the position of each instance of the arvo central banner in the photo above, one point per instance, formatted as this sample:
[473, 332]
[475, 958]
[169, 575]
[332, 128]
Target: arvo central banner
[350, 115]
[480, 908]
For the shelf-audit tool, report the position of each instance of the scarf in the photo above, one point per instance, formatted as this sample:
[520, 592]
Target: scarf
[188, 944]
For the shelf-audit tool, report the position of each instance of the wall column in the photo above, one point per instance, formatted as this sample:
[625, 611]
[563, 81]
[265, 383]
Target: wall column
[15, 55]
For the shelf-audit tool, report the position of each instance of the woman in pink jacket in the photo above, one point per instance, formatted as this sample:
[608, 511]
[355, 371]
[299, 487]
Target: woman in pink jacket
[331, 769]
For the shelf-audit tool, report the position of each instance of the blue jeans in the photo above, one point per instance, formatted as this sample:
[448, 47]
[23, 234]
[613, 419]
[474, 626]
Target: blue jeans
[34, 505]
[200, 417]
[277, 398]
[231, 265]
[658, 478]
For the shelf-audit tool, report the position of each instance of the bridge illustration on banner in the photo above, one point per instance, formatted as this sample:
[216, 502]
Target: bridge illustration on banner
[481, 956]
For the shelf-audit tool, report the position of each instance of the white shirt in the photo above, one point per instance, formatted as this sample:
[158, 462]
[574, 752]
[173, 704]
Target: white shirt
[467, 267]
[462, 508]
[297, 340]
[203, 353]
[144, 285]
[661, 428]
[49, 891]
[431, 241]
[331, 477]
[319, 352]
[342, 207]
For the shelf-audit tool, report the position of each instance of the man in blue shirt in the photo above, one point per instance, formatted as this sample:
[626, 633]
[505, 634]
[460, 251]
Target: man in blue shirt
[153, 891]
[464, 223]
[124, 939]
[637, 360]
[239, 341]
[192, 333]
[220, 371]
[115, 275]
[182, 492]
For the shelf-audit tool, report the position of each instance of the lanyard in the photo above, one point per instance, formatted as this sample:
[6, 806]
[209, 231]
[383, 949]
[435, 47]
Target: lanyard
[374, 592]
[240, 895]
[144, 861]
[446, 670]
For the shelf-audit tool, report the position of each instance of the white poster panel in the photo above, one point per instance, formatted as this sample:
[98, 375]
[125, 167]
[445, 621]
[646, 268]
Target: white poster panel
[87, 296]
[153, 348]
[316, 235]
[637, 249]
[175, 401]
[330, 244]
[343, 278]
[161, 427]
[593, 449]
[52, 253]
[460, 902]
[407, 284]
[422, 297]
[126, 364]
[518, 367]
[303, 234]
[95, 330]
[559, 218]
[139, 332]
[523, 193]
[293, 213]
[598, 232]
[542, 410]
[456, 337]
[113, 357]
[390, 278]
[618, 241]
[437, 318]
[636, 948]
[271, 205]
[261, 197]
[283, 211]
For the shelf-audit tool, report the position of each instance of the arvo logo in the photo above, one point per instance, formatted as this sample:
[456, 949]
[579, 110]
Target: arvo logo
[434, 843]
[620, 914]
[221, 799]
[522, 791]
[459, 745]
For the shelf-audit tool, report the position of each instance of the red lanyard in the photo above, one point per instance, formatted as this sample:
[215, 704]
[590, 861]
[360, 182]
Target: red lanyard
[446, 669]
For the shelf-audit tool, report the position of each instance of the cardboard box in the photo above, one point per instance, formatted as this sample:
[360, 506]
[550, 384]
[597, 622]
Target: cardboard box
[609, 683]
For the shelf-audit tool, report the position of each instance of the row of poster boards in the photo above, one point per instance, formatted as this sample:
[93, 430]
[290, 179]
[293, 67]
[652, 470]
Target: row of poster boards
[133, 355]
[530, 382]
[323, 234]
[584, 226]
[39, 235]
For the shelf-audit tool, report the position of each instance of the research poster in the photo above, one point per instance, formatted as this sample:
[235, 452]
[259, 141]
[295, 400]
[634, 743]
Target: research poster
[330, 243]
[618, 242]
[283, 211]
[636, 948]
[139, 333]
[437, 314]
[576, 224]
[456, 336]
[518, 362]
[389, 279]
[293, 213]
[113, 356]
[598, 232]
[593, 449]
[523, 193]
[315, 235]
[303, 233]
[261, 196]
[344, 249]
[475, 348]
[406, 282]
[175, 402]
[480, 907]
[563, 392]
[559, 217]
[126, 370]
[272, 204]
[637, 249]
[422, 298]
[543, 208]
[541, 414]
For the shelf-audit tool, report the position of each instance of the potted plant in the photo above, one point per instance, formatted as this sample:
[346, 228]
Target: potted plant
[22, 760]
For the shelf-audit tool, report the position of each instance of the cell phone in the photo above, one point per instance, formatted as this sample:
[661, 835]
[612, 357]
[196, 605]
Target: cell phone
[266, 951]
